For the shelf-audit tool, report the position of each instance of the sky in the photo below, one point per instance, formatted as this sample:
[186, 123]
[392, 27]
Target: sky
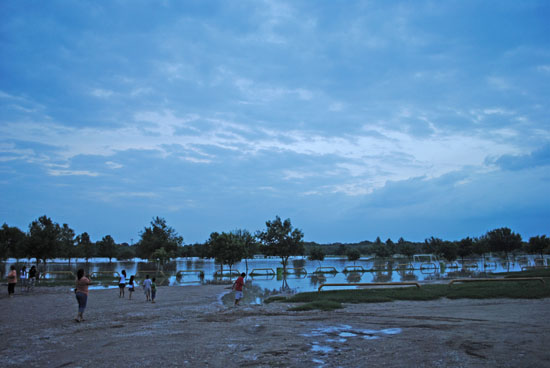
[355, 119]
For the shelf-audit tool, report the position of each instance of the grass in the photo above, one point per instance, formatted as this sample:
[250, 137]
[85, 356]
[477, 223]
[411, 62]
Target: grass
[471, 290]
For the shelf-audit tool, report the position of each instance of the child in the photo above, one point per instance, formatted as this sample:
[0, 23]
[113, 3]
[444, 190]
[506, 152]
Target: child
[131, 286]
[23, 277]
[153, 290]
[147, 288]
[122, 284]
[238, 287]
[12, 280]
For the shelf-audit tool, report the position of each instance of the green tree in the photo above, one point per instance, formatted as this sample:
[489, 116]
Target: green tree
[448, 251]
[353, 255]
[538, 245]
[158, 235]
[406, 248]
[282, 240]
[226, 249]
[44, 239]
[248, 243]
[85, 246]
[67, 243]
[125, 252]
[503, 240]
[381, 250]
[316, 254]
[13, 242]
[161, 256]
[465, 247]
[107, 247]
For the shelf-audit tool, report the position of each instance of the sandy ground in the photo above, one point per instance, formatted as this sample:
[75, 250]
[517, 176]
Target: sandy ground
[188, 326]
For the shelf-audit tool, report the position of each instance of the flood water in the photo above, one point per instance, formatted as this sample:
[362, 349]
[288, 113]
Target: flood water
[303, 275]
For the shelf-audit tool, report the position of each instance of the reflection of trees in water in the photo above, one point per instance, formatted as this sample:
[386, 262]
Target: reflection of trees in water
[382, 276]
[354, 276]
[317, 279]
[408, 276]
[297, 263]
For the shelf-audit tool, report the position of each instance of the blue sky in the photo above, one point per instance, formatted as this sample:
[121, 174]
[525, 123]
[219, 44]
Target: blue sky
[355, 119]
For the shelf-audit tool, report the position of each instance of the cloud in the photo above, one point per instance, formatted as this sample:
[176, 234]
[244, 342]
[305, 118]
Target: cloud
[539, 157]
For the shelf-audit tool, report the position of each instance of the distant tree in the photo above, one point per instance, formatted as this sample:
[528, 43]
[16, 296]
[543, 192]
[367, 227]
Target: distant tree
[44, 239]
[538, 245]
[248, 243]
[125, 252]
[433, 246]
[405, 248]
[353, 255]
[282, 240]
[480, 247]
[503, 240]
[380, 250]
[67, 243]
[107, 247]
[316, 254]
[448, 251]
[465, 247]
[85, 246]
[226, 249]
[158, 235]
[13, 242]
[161, 256]
[378, 241]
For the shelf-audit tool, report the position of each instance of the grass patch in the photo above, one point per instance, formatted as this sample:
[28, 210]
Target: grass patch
[540, 272]
[472, 290]
[272, 299]
[325, 305]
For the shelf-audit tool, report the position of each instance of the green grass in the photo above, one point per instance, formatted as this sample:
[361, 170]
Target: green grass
[471, 290]
[325, 305]
[536, 272]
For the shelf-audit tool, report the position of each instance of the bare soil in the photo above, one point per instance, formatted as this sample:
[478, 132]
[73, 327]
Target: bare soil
[189, 326]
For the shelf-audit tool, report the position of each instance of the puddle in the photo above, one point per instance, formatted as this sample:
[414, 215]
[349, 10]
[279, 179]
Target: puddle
[321, 348]
[336, 335]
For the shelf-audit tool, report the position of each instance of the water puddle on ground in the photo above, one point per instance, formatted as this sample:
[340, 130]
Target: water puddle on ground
[327, 339]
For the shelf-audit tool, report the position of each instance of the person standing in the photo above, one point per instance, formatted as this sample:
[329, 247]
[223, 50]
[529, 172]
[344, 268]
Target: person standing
[81, 292]
[32, 278]
[238, 287]
[153, 290]
[122, 284]
[147, 288]
[23, 277]
[131, 287]
[12, 281]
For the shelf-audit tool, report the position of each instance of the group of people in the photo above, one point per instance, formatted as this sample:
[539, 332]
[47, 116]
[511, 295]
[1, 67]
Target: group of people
[28, 279]
[82, 282]
[149, 287]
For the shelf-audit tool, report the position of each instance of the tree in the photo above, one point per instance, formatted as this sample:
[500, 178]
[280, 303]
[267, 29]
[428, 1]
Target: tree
[538, 244]
[226, 249]
[465, 247]
[44, 239]
[503, 240]
[448, 251]
[161, 256]
[380, 250]
[406, 248]
[85, 246]
[353, 255]
[316, 254]
[282, 240]
[107, 247]
[67, 243]
[248, 243]
[159, 235]
[12, 242]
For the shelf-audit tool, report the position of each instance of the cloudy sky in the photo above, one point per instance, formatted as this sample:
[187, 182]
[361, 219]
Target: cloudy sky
[355, 119]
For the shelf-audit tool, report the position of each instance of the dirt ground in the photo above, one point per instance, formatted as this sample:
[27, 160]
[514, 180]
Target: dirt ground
[189, 326]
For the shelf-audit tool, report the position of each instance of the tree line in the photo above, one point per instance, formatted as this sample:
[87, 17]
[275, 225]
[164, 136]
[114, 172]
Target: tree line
[45, 240]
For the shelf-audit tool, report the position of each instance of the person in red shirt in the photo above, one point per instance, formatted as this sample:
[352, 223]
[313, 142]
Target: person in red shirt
[81, 292]
[238, 287]
[12, 280]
